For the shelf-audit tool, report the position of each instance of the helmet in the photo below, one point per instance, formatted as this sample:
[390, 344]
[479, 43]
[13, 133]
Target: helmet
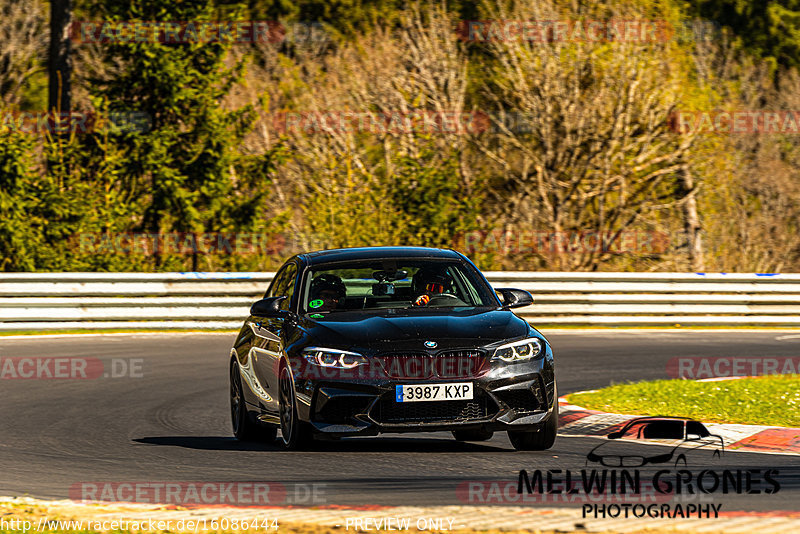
[327, 282]
[430, 281]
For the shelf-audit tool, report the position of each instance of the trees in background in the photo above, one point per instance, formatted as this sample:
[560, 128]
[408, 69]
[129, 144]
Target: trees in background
[59, 57]
[598, 154]
[384, 175]
[23, 42]
[569, 138]
[768, 29]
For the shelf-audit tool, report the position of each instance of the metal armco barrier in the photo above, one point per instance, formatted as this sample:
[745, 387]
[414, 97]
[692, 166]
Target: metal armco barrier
[58, 301]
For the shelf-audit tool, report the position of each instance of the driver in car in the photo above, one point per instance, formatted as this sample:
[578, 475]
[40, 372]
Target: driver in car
[428, 283]
[327, 292]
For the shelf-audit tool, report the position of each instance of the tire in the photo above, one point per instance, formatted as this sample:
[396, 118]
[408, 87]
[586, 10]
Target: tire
[295, 434]
[244, 428]
[473, 435]
[540, 440]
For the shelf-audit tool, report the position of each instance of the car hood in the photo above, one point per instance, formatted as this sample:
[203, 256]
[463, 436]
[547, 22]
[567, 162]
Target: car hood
[409, 329]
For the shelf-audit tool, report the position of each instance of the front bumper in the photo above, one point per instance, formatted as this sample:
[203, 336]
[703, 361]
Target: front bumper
[519, 396]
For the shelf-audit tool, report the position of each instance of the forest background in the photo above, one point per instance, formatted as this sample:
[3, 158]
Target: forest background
[666, 140]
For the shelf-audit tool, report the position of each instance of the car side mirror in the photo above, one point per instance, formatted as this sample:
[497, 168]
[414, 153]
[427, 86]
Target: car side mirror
[514, 298]
[268, 307]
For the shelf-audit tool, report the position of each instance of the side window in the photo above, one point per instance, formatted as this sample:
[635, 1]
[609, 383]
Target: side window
[277, 282]
[286, 287]
[696, 430]
[463, 289]
[663, 429]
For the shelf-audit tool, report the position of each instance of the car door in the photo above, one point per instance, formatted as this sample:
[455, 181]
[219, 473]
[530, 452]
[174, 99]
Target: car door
[267, 346]
[701, 448]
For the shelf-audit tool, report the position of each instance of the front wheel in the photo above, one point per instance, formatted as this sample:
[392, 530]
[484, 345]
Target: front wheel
[540, 440]
[295, 434]
[243, 428]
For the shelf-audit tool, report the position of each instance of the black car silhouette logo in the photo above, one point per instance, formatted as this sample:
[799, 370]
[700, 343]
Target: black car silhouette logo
[694, 441]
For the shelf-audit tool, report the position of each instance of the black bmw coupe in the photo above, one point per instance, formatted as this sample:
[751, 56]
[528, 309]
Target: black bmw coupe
[361, 341]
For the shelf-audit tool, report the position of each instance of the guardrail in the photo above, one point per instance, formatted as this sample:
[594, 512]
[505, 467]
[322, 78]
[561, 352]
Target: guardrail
[58, 301]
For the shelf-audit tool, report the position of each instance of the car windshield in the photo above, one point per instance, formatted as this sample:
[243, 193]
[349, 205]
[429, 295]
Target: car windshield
[388, 284]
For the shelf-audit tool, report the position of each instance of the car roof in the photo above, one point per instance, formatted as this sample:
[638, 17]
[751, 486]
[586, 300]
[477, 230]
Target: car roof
[377, 253]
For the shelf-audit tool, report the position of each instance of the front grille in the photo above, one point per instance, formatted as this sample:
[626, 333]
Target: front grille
[460, 363]
[388, 411]
[411, 365]
[453, 364]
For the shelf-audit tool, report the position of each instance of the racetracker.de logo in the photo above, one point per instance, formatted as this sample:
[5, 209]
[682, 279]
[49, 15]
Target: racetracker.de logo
[47, 368]
[200, 493]
[147, 244]
[566, 31]
[592, 490]
[382, 122]
[409, 366]
[735, 122]
[548, 242]
[696, 367]
[77, 122]
[177, 32]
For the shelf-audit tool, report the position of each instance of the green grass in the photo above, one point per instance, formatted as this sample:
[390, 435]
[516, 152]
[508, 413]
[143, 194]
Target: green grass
[769, 400]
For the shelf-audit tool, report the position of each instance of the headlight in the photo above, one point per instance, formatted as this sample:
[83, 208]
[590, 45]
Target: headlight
[340, 359]
[518, 350]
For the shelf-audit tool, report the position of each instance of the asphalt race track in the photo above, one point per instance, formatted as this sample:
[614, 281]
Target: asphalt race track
[170, 423]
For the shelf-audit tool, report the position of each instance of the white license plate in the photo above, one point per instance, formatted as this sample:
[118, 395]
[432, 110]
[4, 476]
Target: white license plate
[434, 392]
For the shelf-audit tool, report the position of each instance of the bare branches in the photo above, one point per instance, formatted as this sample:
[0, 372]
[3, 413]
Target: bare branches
[598, 133]
[23, 41]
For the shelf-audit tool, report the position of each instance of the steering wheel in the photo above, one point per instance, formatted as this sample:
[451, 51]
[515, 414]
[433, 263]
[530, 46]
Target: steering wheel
[448, 295]
[432, 297]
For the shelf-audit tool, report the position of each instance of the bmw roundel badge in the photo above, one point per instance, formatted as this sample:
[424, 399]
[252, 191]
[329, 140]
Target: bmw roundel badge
[431, 344]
